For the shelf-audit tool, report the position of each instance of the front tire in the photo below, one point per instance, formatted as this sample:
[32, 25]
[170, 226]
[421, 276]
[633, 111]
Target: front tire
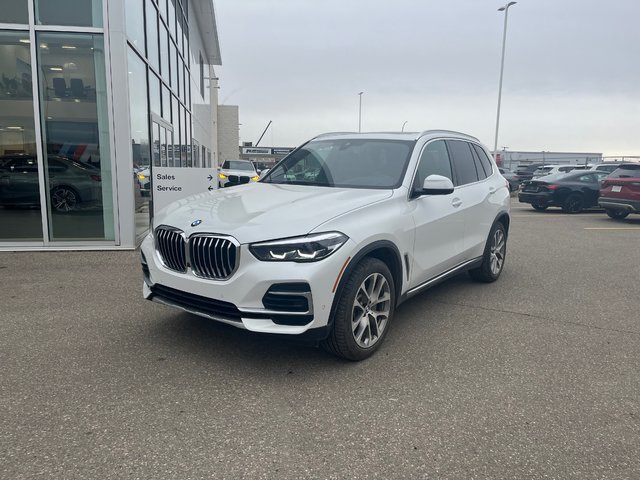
[617, 214]
[495, 252]
[363, 313]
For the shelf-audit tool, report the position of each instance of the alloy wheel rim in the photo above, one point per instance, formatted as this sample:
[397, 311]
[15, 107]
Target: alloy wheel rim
[371, 308]
[63, 200]
[498, 248]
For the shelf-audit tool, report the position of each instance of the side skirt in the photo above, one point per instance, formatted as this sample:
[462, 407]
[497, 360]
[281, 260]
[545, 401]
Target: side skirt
[468, 265]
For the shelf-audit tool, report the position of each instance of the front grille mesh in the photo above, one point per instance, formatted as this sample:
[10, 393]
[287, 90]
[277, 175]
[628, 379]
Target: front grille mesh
[212, 257]
[171, 247]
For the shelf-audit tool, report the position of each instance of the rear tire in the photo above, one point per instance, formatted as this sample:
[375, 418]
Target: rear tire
[495, 252]
[617, 214]
[539, 208]
[574, 203]
[363, 313]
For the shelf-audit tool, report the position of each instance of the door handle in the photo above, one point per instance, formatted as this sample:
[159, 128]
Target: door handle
[456, 202]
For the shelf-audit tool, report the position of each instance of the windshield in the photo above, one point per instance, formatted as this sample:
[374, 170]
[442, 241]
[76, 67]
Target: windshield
[238, 165]
[352, 163]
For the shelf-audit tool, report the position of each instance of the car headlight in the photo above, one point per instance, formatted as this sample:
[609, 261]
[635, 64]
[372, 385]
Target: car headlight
[309, 248]
[222, 175]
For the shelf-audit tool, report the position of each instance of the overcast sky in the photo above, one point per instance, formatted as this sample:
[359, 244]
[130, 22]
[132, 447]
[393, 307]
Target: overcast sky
[571, 81]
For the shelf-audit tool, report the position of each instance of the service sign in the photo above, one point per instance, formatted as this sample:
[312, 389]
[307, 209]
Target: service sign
[169, 184]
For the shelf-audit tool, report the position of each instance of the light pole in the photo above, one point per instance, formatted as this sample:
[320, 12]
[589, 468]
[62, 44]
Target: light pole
[504, 9]
[360, 112]
[405, 122]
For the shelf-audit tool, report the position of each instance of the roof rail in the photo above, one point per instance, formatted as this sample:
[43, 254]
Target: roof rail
[428, 132]
[327, 134]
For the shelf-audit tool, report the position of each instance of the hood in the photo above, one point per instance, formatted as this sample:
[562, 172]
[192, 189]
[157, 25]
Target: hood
[264, 211]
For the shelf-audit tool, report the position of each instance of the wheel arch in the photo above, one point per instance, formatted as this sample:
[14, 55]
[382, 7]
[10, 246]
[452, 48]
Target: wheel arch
[504, 219]
[385, 251]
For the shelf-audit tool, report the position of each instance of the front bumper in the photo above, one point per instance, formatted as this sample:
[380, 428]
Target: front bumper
[238, 301]
[632, 206]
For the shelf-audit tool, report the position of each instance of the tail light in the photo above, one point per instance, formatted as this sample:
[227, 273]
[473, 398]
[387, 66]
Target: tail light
[96, 178]
[552, 187]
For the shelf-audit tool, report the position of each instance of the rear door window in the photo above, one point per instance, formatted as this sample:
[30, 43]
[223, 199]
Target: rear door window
[484, 159]
[627, 171]
[463, 162]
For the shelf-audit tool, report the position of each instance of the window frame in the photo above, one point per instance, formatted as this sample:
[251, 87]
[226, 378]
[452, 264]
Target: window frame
[453, 163]
[412, 189]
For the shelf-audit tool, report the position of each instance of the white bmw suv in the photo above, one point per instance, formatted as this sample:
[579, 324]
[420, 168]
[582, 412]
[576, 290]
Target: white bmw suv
[334, 237]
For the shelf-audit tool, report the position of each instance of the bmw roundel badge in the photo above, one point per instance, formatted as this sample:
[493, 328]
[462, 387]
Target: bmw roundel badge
[195, 223]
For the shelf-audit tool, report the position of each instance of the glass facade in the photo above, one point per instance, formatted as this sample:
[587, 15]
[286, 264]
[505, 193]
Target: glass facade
[62, 123]
[84, 13]
[14, 11]
[20, 217]
[75, 135]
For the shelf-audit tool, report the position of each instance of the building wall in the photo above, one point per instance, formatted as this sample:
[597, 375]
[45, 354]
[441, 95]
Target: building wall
[51, 114]
[511, 159]
[228, 133]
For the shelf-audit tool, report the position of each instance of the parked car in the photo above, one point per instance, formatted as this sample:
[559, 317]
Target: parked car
[620, 191]
[71, 183]
[334, 238]
[144, 181]
[236, 172]
[609, 166]
[573, 192]
[553, 169]
[525, 172]
[511, 177]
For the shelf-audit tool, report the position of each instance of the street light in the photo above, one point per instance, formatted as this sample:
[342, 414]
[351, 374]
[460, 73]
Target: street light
[405, 122]
[360, 112]
[504, 9]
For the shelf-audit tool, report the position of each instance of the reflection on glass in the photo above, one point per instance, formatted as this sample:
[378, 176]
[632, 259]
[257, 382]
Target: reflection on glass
[85, 13]
[76, 136]
[20, 217]
[14, 11]
[166, 104]
[154, 94]
[176, 132]
[152, 35]
[135, 23]
[140, 152]
[171, 17]
[163, 146]
[164, 52]
[155, 144]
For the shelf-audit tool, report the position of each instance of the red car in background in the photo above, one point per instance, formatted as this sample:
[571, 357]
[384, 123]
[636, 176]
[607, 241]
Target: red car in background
[620, 191]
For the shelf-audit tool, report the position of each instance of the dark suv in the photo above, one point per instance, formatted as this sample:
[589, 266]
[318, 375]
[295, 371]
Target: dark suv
[525, 172]
[620, 191]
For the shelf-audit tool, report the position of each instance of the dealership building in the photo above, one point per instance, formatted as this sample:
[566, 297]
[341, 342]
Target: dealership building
[93, 94]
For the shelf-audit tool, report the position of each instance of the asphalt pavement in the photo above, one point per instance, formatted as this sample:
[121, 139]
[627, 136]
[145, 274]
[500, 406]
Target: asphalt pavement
[535, 376]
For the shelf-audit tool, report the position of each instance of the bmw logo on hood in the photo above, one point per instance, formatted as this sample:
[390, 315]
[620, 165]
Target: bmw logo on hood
[195, 223]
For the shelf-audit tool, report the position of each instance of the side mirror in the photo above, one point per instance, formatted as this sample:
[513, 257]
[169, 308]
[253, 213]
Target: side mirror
[436, 185]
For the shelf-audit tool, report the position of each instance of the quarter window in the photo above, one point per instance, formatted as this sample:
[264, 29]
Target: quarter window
[484, 159]
[463, 162]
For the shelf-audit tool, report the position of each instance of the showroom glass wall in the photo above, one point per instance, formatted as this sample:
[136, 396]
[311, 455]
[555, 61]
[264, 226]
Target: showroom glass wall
[55, 162]
[158, 63]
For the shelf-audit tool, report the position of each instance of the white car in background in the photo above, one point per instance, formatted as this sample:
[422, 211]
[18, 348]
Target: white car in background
[236, 172]
[334, 238]
[553, 169]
